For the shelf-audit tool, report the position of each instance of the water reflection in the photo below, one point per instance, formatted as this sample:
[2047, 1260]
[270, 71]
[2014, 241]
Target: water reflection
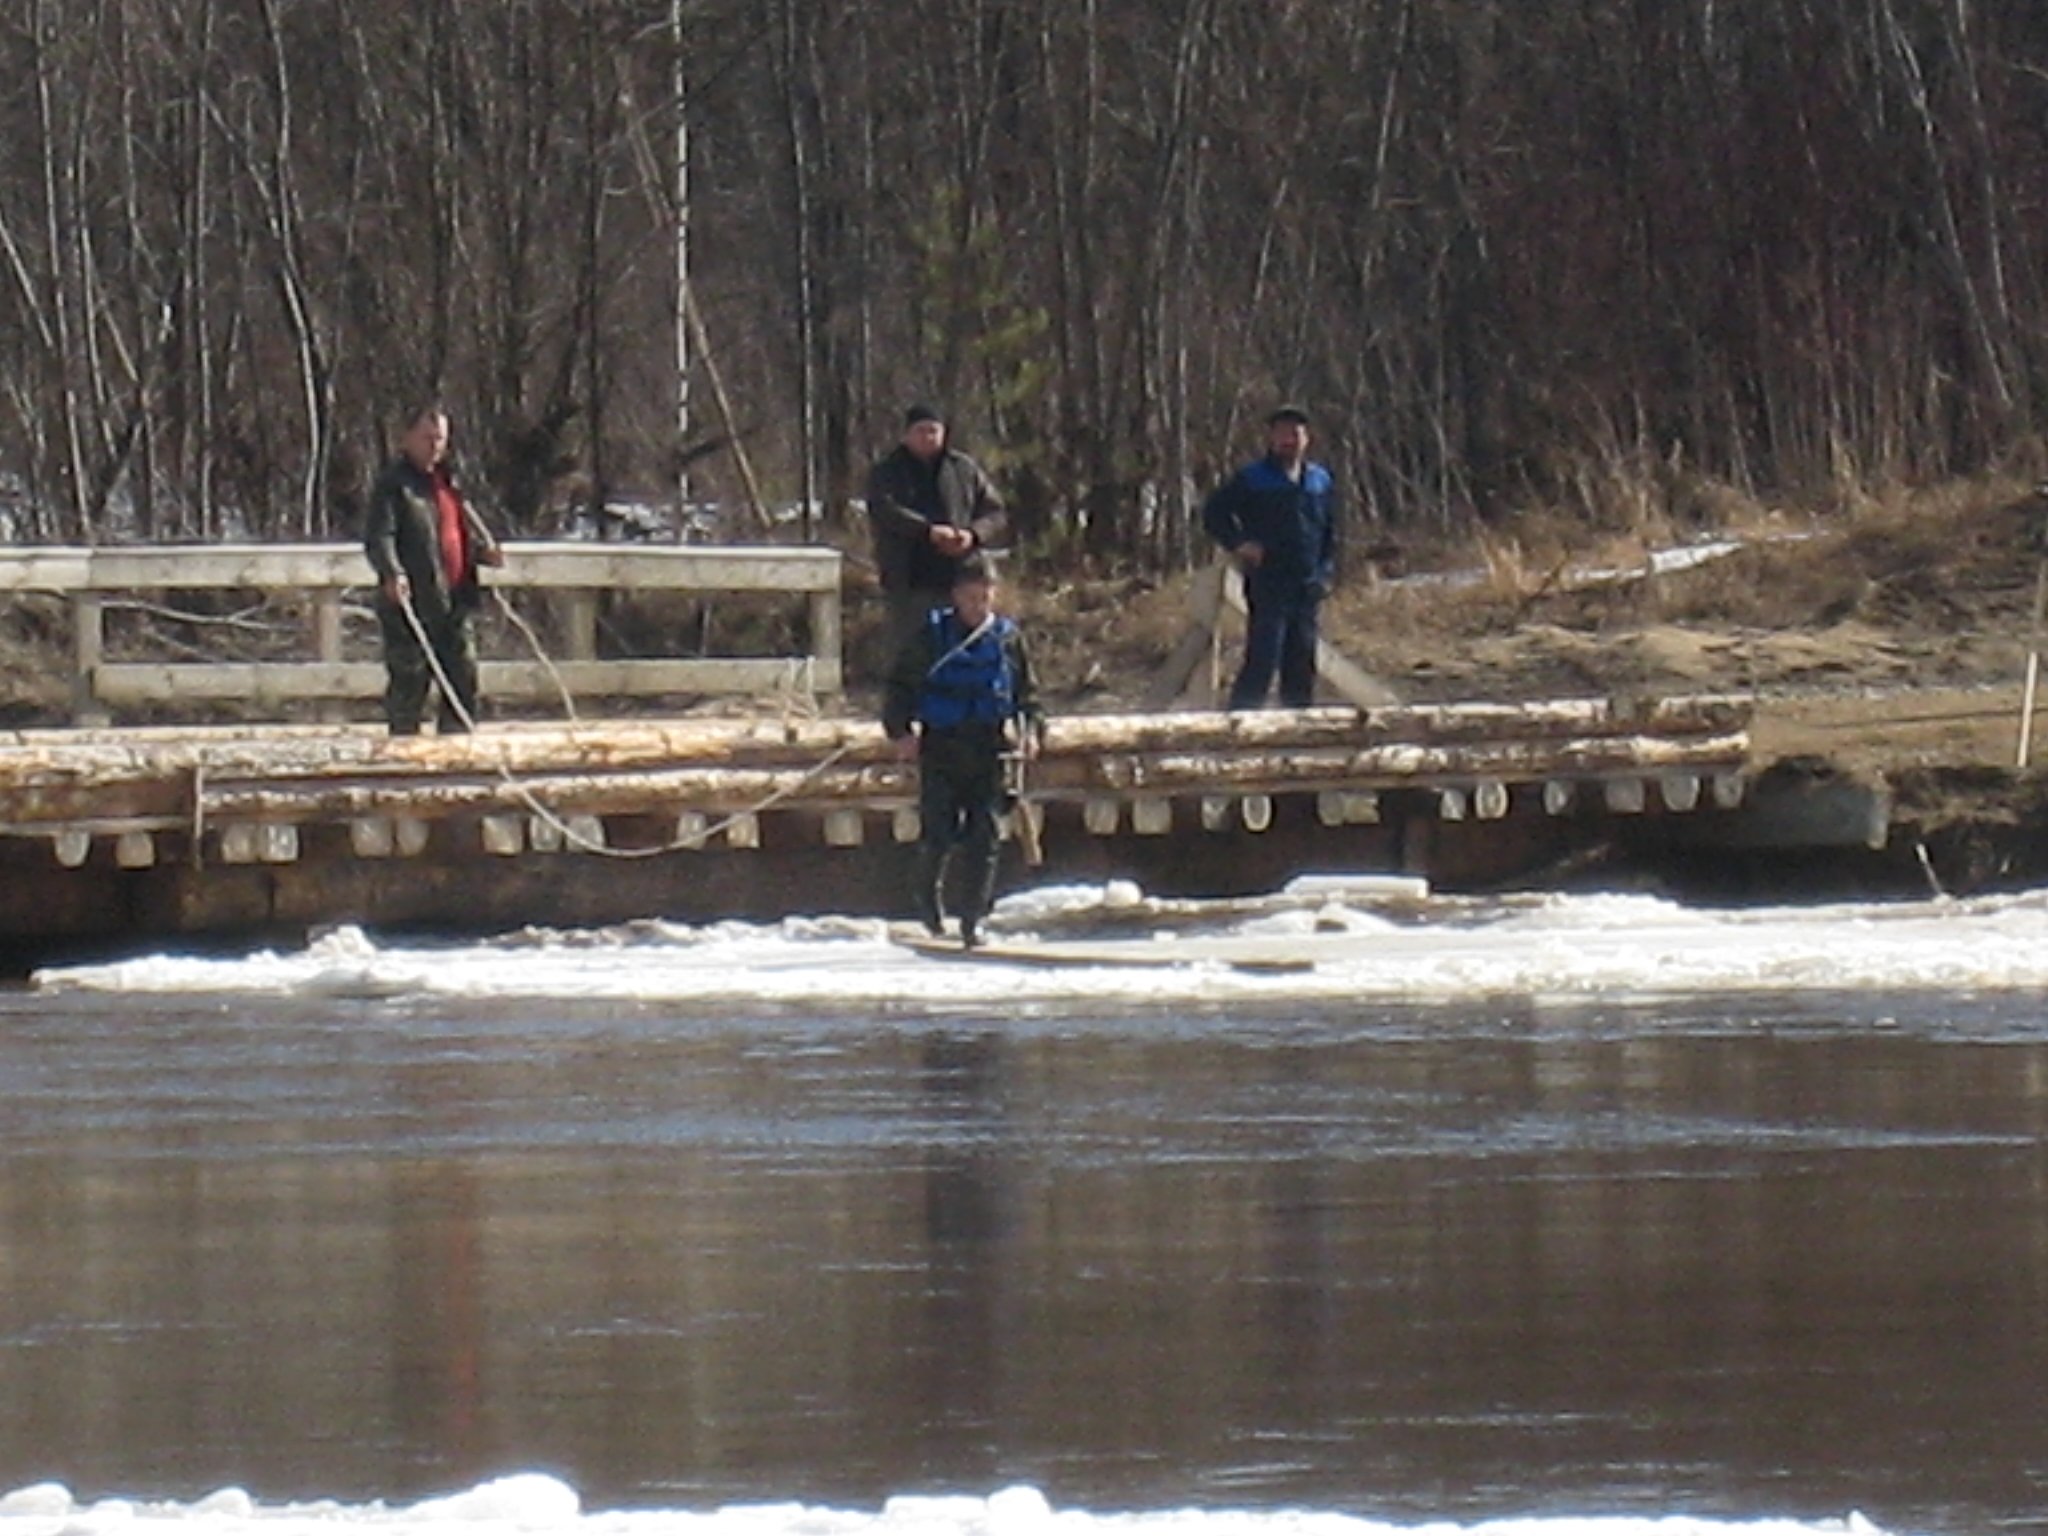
[1417, 1264]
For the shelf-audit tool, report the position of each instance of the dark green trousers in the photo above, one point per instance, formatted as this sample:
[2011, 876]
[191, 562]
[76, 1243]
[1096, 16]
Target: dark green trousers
[452, 631]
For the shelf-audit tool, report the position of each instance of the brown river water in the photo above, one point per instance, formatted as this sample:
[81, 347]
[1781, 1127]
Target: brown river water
[1736, 1257]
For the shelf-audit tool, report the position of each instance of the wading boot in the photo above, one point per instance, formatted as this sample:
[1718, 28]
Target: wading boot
[931, 879]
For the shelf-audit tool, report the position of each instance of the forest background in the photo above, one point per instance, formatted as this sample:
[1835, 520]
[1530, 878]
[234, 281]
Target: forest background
[1616, 260]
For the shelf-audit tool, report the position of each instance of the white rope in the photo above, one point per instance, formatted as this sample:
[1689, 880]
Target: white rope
[548, 815]
[554, 673]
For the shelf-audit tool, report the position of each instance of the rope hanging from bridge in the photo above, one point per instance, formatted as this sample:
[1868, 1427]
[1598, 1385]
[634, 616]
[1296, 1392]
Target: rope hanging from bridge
[546, 813]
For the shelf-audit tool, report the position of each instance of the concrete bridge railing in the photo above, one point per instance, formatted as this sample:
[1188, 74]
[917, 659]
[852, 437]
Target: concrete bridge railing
[93, 578]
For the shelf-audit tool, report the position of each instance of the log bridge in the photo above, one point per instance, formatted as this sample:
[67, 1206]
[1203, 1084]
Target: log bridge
[114, 837]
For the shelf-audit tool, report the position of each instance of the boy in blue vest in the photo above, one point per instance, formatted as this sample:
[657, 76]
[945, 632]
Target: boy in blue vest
[960, 687]
[1277, 517]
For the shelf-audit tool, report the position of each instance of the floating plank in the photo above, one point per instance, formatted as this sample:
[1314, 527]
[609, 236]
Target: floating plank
[1114, 954]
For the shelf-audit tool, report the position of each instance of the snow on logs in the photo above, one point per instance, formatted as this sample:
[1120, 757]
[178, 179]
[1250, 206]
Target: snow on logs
[243, 794]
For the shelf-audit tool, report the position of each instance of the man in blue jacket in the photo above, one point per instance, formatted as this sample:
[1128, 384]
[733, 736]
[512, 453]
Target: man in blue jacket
[1278, 518]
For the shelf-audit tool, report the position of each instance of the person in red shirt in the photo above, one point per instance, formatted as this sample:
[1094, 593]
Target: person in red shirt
[426, 544]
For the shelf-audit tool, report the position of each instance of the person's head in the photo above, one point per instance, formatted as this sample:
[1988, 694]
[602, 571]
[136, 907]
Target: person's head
[924, 432]
[426, 436]
[1287, 434]
[974, 590]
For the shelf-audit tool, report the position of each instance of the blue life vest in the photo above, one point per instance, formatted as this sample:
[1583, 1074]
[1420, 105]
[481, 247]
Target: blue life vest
[970, 679]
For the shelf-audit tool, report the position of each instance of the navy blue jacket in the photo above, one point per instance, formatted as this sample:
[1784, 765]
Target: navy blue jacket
[1295, 523]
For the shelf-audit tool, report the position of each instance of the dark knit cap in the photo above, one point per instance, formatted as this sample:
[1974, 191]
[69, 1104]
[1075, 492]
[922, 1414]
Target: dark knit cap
[1293, 413]
[922, 412]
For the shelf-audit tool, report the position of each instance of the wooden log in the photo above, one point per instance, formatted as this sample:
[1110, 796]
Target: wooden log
[92, 759]
[135, 850]
[1451, 805]
[1100, 815]
[88, 649]
[1256, 811]
[1152, 816]
[306, 567]
[1490, 799]
[743, 831]
[443, 790]
[1196, 644]
[1625, 797]
[410, 835]
[1680, 791]
[503, 836]
[372, 837]
[845, 828]
[274, 683]
[827, 640]
[1216, 811]
[906, 825]
[1558, 796]
[71, 846]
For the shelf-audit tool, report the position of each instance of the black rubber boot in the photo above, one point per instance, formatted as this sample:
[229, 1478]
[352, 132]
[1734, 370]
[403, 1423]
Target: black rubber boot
[931, 881]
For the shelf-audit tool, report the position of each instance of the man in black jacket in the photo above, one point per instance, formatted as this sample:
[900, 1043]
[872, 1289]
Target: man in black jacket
[426, 544]
[929, 508]
[960, 688]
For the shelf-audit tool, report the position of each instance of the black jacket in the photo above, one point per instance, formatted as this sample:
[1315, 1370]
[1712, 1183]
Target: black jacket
[402, 533]
[907, 497]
